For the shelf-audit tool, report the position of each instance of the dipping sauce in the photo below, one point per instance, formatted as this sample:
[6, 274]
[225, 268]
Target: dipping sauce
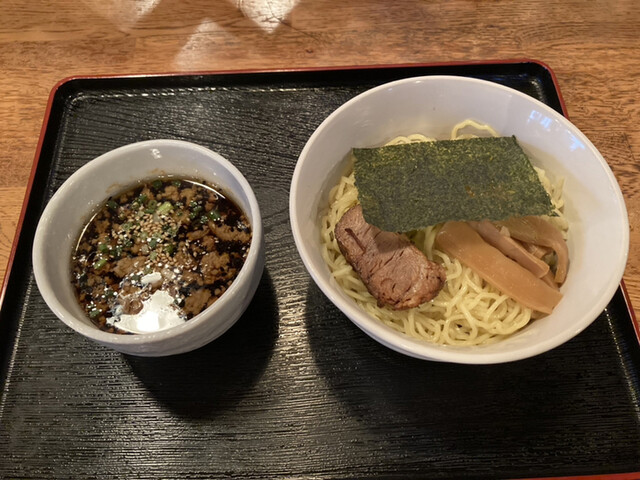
[158, 254]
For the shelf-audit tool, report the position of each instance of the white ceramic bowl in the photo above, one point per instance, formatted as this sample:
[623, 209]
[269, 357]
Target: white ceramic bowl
[599, 230]
[72, 205]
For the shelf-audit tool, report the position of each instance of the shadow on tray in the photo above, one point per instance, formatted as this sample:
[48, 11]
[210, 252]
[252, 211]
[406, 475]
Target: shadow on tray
[214, 378]
[431, 403]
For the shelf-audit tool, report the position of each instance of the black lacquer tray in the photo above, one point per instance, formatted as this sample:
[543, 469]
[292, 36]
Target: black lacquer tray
[294, 389]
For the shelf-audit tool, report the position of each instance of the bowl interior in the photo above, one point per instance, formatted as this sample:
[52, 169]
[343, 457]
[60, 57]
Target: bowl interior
[432, 106]
[73, 204]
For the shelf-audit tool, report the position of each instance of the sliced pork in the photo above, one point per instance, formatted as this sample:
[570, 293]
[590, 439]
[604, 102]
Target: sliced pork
[393, 269]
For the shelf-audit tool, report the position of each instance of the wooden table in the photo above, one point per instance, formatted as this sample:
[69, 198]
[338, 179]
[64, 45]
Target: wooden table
[593, 47]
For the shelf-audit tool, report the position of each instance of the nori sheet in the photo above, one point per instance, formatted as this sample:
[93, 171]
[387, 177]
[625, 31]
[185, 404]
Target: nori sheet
[411, 186]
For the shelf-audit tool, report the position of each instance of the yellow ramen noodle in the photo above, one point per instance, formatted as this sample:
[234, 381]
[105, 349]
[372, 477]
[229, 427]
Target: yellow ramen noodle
[467, 311]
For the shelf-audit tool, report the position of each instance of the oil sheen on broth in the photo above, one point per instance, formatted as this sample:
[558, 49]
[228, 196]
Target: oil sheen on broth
[158, 254]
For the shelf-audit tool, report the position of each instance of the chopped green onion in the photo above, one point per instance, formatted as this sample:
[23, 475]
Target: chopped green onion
[103, 248]
[166, 207]
[94, 312]
[112, 205]
[169, 248]
[153, 256]
[214, 215]
[100, 263]
[153, 242]
[151, 206]
[156, 184]
[195, 211]
[176, 183]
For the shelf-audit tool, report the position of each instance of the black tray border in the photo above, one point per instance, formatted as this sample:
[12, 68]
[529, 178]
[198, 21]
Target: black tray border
[36, 186]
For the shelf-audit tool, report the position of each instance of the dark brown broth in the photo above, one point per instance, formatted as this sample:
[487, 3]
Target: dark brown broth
[158, 254]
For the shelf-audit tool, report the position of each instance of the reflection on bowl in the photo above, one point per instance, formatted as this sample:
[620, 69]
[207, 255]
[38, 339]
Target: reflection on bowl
[74, 204]
[432, 106]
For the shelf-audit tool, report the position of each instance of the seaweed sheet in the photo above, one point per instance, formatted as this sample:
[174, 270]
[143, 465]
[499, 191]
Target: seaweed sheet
[411, 186]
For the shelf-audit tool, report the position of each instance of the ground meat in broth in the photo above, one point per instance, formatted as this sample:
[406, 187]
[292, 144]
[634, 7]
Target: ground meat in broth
[158, 254]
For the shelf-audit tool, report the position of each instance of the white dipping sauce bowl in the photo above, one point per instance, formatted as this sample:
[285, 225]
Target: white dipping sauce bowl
[72, 206]
[598, 223]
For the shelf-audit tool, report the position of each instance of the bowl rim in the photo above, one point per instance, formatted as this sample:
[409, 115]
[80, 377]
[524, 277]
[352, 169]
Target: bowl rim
[151, 338]
[419, 348]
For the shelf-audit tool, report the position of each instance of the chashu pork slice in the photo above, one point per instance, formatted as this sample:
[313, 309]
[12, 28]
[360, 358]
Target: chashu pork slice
[393, 269]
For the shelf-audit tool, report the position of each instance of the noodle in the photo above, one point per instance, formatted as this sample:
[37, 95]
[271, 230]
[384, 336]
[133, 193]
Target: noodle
[467, 311]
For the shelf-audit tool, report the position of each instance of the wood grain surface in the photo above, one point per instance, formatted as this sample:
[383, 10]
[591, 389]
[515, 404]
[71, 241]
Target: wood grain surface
[593, 47]
[318, 398]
